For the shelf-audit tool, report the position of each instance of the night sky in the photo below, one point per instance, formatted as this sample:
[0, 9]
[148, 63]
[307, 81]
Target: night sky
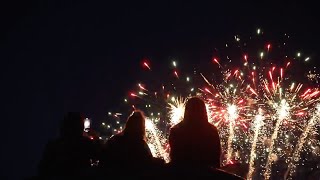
[60, 56]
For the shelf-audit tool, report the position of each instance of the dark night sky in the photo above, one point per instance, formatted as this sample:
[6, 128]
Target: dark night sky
[59, 56]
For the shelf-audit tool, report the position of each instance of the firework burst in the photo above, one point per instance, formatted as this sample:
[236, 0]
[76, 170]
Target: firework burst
[254, 97]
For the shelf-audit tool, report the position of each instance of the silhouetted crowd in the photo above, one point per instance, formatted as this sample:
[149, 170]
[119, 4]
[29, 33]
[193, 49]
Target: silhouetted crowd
[195, 150]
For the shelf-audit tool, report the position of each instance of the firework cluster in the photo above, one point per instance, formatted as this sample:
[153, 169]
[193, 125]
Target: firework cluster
[260, 96]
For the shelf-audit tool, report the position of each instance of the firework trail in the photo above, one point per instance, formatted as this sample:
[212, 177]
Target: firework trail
[147, 65]
[156, 141]
[307, 130]
[258, 123]
[232, 115]
[283, 113]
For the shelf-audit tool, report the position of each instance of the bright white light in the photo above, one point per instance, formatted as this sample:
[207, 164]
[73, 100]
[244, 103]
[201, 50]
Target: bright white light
[174, 63]
[232, 111]
[283, 110]
[287, 136]
[259, 118]
[149, 124]
[153, 149]
[86, 123]
[318, 108]
[298, 54]
[176, 110]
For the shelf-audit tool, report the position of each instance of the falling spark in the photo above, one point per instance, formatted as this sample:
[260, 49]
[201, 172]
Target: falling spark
[176, 74]
[246, 57]
[141, 87]
[307, 59]
[258, 31]
[298, 54]
[174, 63]
[146, 65]
[216, 61]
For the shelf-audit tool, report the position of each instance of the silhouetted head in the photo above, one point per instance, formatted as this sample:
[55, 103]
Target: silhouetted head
[72, 125]
[135, 126]
[195, 112]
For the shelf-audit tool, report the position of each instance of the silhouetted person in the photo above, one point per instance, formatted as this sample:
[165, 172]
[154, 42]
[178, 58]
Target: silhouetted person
[71, 154]
[195, 144]
[128, 153]
[194, 141]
